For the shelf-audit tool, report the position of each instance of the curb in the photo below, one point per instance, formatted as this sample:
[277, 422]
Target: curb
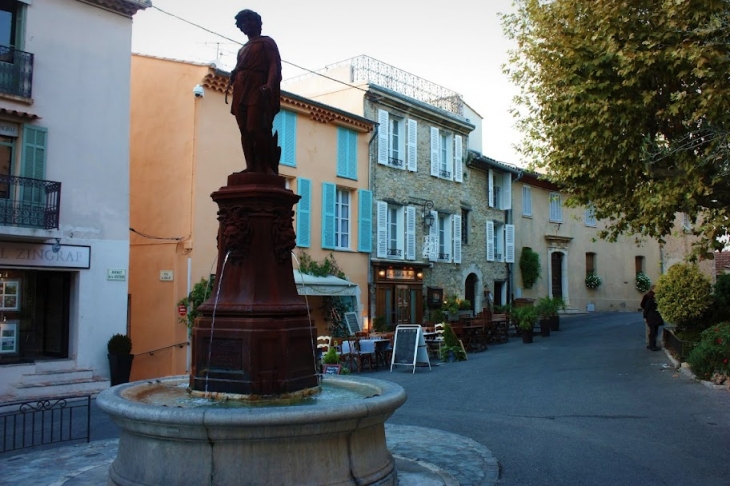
[686, 371]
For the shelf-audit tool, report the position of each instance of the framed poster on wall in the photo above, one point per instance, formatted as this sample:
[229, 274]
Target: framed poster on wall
[8, 337]
[9, 295]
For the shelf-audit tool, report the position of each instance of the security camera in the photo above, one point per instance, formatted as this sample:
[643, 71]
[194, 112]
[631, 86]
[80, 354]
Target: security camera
[198, 91]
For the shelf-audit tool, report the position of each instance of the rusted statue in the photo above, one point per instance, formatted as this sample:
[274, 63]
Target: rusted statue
[256, 83]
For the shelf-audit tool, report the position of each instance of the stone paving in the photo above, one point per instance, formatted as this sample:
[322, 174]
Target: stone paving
[424, 457]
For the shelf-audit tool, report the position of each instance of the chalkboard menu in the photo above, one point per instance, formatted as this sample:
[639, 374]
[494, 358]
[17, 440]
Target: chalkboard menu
[409, 347]
[352, 323]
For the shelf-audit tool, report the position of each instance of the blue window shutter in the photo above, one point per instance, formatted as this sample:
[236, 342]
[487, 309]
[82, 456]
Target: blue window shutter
[285, 124]
[352, 155]
[33, 163]
[341, 152]
[328, 215]
[304, 211]
[365, 225]
[346, 153]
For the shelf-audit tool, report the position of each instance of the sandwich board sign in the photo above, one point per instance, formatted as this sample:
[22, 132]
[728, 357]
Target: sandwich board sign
[409, 347]
[353, 325]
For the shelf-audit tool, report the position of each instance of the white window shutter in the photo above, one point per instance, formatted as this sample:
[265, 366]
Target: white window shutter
[490, 189]
[506, 190]
[458, 166]
[509, 243]
[433, 238]
[382, 244]
[412, 151]
[383, 141]
[490, 241]
[410, 233]
[457, 237]
[435, 166]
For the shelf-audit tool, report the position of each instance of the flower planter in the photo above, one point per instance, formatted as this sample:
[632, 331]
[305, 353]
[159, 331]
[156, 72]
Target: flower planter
[527, 336]
[544, 327]
[554, 323]
[120, 367]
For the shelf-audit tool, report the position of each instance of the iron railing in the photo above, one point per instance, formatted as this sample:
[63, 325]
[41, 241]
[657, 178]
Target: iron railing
[16, 72]
[395, 252]
[443, 256]
[680, 348]
[33, 203]
[44, 421]
[445, 174]
[394, 162]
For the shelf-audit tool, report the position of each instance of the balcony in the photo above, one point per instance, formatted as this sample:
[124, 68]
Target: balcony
[395, 252]
[30, 203]
[16, 72]
[445, 174]
[395, 162]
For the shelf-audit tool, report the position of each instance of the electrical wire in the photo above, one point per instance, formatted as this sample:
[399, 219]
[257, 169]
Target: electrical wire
[238, 43]
[145, 235]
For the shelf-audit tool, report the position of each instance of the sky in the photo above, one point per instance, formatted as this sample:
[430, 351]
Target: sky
[457, 44]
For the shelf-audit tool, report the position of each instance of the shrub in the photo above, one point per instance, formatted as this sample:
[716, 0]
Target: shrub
[529, 267]
[712, 354]
[643, 282]
[200, 293]
[451, 344]
[330, 357]
[526, 316]
[119, 344]
[593, 281]
[720, 311]
[683, 296]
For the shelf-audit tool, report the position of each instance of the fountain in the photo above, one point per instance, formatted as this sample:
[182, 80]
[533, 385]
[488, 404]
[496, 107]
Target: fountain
[253, 409]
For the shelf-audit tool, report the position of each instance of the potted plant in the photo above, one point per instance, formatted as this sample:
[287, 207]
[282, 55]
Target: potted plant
[119, 349]
[465, 309]
[451, 308]
[643, 282]
[331, 362]
[593, 281]
[452, 349]
[526, 317]
[545, 311]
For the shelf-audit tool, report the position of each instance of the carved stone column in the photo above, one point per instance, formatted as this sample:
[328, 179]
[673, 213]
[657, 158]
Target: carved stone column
[262, 341]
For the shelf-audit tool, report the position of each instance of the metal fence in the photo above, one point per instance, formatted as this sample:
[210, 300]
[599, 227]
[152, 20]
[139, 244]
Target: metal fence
[29, 202]
[44, 421]
[680, 348]
[16, 72]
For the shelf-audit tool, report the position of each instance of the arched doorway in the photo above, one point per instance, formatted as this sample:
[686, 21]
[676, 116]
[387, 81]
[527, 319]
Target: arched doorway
[556, 267]
[470, 292]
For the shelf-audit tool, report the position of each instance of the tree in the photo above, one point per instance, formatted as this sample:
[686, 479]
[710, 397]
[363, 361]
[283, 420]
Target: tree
[626, 105]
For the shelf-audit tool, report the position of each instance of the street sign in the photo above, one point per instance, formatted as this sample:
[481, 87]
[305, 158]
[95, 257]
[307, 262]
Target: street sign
[182, 310]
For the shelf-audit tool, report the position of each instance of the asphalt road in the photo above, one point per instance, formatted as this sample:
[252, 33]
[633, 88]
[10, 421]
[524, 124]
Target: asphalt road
[589, 405]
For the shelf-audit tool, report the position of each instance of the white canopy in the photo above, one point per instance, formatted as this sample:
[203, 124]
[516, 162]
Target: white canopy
[320, 286]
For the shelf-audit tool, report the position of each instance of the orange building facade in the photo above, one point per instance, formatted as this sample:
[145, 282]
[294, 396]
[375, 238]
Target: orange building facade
[184, 144]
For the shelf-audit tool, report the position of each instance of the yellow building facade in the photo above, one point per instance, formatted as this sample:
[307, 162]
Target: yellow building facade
[184, 144]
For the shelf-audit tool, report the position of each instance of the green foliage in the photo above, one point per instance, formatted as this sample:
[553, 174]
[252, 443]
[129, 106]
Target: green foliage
[721, 299]
[437, 315]
[549, 306]
[503, 309]
[465, 304]
[379, 324]
[643, 282]
[119, 344]
[451, 305]
[200, 293]
[593, 281]
[626, 105]
[712, 354]
[325, 268]
[330, 357]
[526, 316]
[683, 296]
[451, 344]
[529, 267]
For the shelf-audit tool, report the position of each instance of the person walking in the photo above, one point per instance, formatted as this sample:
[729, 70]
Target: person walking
[652, 318]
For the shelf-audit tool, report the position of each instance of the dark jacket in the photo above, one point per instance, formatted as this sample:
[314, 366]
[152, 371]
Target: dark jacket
[651, 314]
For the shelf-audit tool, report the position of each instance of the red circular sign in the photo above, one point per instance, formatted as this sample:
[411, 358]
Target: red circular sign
[182, 310]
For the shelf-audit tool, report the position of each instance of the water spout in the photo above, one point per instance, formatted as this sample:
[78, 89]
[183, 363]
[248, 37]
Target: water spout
[212, 323]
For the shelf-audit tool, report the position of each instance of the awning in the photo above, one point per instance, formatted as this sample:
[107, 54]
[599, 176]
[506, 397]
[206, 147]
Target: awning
[333, 286]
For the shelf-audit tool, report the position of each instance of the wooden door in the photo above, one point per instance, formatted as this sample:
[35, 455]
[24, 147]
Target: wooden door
[556, 262]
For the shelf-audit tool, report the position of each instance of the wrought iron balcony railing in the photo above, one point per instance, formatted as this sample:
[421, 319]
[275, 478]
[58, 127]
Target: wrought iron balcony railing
[394, 162]
[32, 203]
[16, 72]
[395, 252]
[445, 174]
[443, 256]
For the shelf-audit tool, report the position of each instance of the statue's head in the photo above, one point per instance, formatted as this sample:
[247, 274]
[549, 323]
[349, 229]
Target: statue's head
[247, 15]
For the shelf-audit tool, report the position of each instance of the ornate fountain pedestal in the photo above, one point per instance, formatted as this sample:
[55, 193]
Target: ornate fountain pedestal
[254, 336]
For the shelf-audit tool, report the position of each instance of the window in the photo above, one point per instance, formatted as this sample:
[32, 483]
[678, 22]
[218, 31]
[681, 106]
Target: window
[498, 242]
[394, 244]
[686, 223]
[12, 23]
[346, 153]
[444, 238]
[396, 231]
[639, 264]
[526, 201]
[591, 216]
[441, 154]
[285, 124]
[465, 226]
[590, 264]
[7, 155]
[342, 219]
[396, 147]
[556, 208]
[497, 201]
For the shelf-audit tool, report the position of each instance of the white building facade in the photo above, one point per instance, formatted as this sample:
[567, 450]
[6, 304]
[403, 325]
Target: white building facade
[64, 191]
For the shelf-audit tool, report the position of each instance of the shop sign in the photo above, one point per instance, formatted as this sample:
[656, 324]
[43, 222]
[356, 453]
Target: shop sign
[8, 129]
[14, 254]
[401, 274]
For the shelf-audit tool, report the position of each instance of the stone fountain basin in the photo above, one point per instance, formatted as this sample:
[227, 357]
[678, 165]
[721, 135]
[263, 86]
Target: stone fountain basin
[333, 442]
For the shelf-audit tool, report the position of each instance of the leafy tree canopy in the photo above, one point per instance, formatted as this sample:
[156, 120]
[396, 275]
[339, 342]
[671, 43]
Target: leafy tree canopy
[626, 105]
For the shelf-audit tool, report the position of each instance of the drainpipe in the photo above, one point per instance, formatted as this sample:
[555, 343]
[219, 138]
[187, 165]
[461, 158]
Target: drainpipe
[371, 187]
